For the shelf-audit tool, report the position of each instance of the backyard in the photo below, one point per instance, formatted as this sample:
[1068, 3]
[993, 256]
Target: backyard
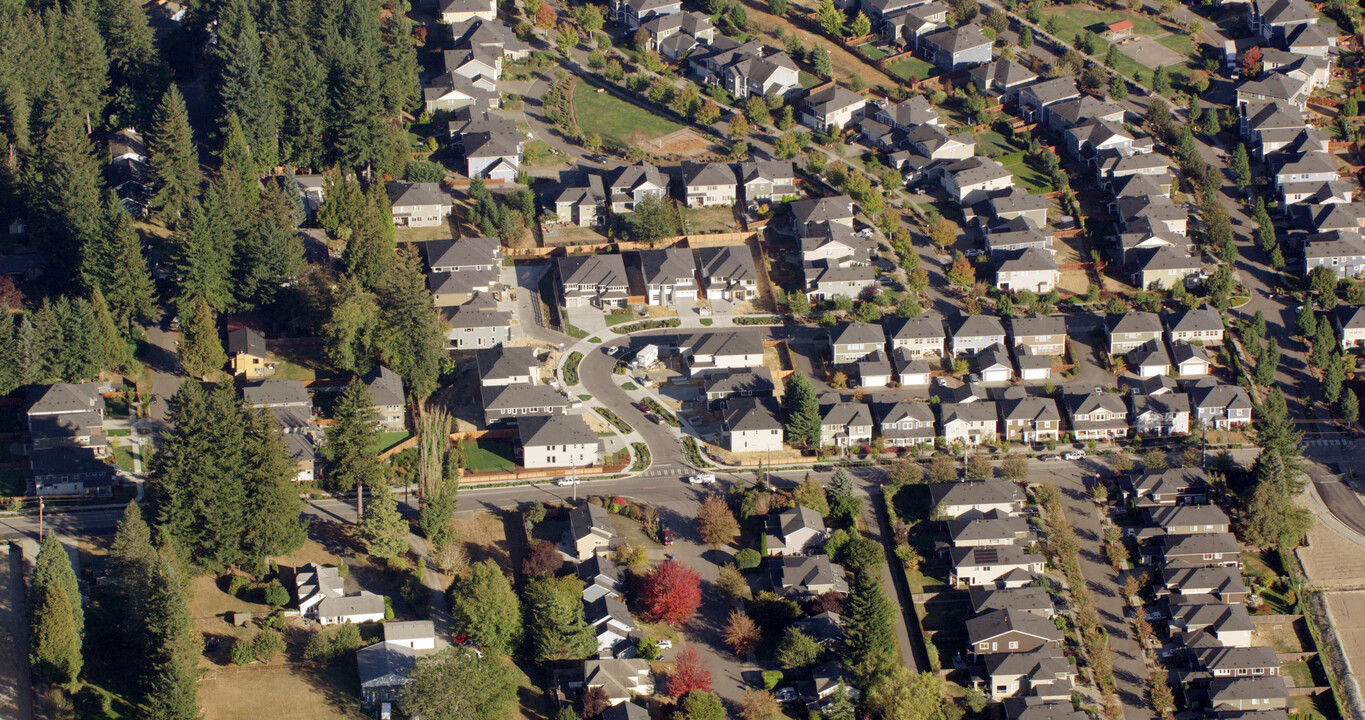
[618, 122]
[719, 219]
[1027, 176]
[487, 455]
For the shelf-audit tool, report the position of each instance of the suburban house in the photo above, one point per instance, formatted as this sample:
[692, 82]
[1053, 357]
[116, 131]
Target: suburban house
[635, 13]
[1011, 631]
[747, 382]
[621, 679]
[1350, 324]
[709, 184]
[853, 341]
[1220, 406]
[973, 179]
[1016, 203]
[993, 365]
[713, 351]
[386, 391]
[670, 275]
[589, 530]
[1030, 419]
[1027, 599]
[809, 214]
[460, 11]
[910, 371]
[503, 404]
[1202, 326]
[583, 204]
[360, 608]
[751, 425]
[767, 180]
[845, 424]
[554, 441]
[476, 327]
[1033, 269]
[676, 34]
[833, 108]
[840, 247]
[1041, 674]
[600, 577]
[1164, 268]
[246, 348]
[806, 575]
[969, 423]
[796, 531]
[1035, 98]
[978, 529]
[826, 280]
[917, 337]
[1041, 334]
[1150, 359]
[905, 29]
[874, 371]
[287, 401]
[1344, 256]
[1249, 695]
[67, 415]
[418, 204]
[1191, 519]
[908, 114]
[1031, 366]
[493, 155]
[1002, 78]
[1097, 415]
[728, 273]
[1161, 415]
[610, 621]
[1190, 360]
[383, 669]
[958, 48]
[974, 333]
[1220, 583]
[998, 565]
[1178, 486]
[593, 280]
[633, 184]
[952, 500]
[1202, 550]
[1227, 662]
[906, 423]
[1132, 330]
[505, 365]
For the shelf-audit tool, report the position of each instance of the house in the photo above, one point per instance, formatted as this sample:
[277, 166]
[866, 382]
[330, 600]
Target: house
[909, 114]
[977, 529]
[670, 275]
[471, 328]
[709, 184]
[246, 347]
[806, 575]
[493, 155]
[1202, 624]
[1016, 203]
[1041, 334]
[1132, 330]
[1034, 600]
[1228, 662]
[1044, 672]
[728, 273]
[504, 404]
[917, 337]
[1031, 366]
[1097, 415]
[67, 415]
[796, 531]
[1179, 486]
[833, 108]
[556, 441]
[1306, 167]
[633, 184]
[932, 142]
[840, 247]
[1221, 583]
[1030, 419]
[973, 179]
[1249, 694]
[414, 634]
[874, 371]
[906, 424]
[360, 608]
[1033, 269]
[675, 34]
[826, 280]
[905, 29]
[70, 470]
[600, 577]
[621, 679]
[460, 11]
[503, 365]
[635, 13]
[625, 711]
[1002, 78]
[853, 341]
[827, 681]
[751, 425]
[1350, 324]
[1201, 326]
[1150, 359]
[993, 365]
[951, 500]
[1190, 360]
[313, 583]
[1033, 99]
[383, 669]
[809, 214]
[299, 448]
[1190, 519]
[1164, 268]
[1345, 257]
[975, 333]
[746, 382]
[767, 181]
[610, 621]
[583, 204]
[453, 92]
[1220, 406]
[1161, 415]
[287, 401]
[845, 424]
[417, 204]
[745, 69]
[715, 351]
[958, 48]
[1202, 550]
[593, 280]
[1275, 87]
[492, 36]
[969, 423]
[589, 529]
[1276, 19]
[999, 565]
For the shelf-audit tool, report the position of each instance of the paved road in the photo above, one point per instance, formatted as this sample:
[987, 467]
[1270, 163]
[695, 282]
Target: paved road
[163, 367]
[16, 688]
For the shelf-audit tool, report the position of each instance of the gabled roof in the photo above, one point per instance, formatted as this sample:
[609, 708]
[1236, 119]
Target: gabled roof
[596, 270]
[1175, 480]
[924, 327]
[998, 622]
[386, 386]
[521, 395]
[384, 664]
[796, 519]
[1217, 395]
[663, 267]
[276, 392]
[631, 177]
[723, 343]
[1034, 409]
[1202, 319]
[245, 340]
[748, 414]
[770, 170]
[972, 412]
[1035, 325]
[707, 174]
[825, 209]
[974, 326]
[1055, 90]
[958, 39]
[1029, 260]
[1004, 72]
[985, 599]
[747, 380]
[1150, 354]
[589, 519]
[1134, 322]
[983, 492]
[730, 263]
[832, 98]
[1201, 544]
[61, 398]
[406, 194]
[502, 362]
[846, 414]
[857, 333]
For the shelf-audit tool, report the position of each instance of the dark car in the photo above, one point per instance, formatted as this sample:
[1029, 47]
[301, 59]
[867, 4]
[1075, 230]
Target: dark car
[667, 536]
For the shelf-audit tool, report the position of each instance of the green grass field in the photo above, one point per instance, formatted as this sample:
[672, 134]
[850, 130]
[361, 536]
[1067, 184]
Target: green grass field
[487, 455]
[806, 79]
[910, 67]
[1072, 21]
[389, 439]
[1182, 44]
[871, 52]
[617, 121]
[1029, 177]
[993, 144]
[123, 455]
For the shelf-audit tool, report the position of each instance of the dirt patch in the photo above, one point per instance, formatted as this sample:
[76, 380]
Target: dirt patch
[1149, 52]
[682, 143]
[845, 65]
[1346, 612]
[485, 538]
[1330, 559]
[1286, 636]
[252, 692]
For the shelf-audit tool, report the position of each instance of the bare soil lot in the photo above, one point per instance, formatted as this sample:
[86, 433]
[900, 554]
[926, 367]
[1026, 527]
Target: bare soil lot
[252, 692]
[1347, 611]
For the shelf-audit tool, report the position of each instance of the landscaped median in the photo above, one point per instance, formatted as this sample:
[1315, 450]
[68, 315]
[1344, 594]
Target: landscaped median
[662, 412]
[615, 420]
[571, 368]
[648, 325]
[757, 320]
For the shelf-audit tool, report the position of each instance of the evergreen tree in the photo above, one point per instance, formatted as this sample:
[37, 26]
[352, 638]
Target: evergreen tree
[1265, 367]
[172, 157]
[201, 261]
[239, 85]
[80, 61]
[132, 566]
[411, 340]
[1307, 322]
[56, 616]
[63, 188]
[110, 349]
[382, 527]
[11, 371]
[1276, 434]
[350, 334]
[554, 620]
[273, 509]
[1350, 407]
[137, 74]
[870, 640]
[201, 352]
[803, 411]
[820, 60]
[299, 80]
[369, 248]
[272, 257]
[356, 116]
[170, 680]
[398, 60]
[842, 502]
[1118, 89]
[123, 276]
[484, 607]
[27, 350]
[353, 440]
[236, 185]
[293, 197]
[1161, 80]
[1241, 166]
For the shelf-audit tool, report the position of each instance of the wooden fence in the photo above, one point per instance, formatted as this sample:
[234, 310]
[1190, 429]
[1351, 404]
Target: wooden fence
[467, 478]
[691, 241]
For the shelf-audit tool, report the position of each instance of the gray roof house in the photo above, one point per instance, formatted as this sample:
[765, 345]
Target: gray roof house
[751, 424]
[1030, 419]
[951, 500]
[854, 341]
[806, 575]
[386, 391]
[906, 423]
[1043, 335]
[600, 577]
[504, 403]
[383, 668]
[1202, 326]
[728, 272]
[796, 531]
[557, 441]
[1220, 406]
[767, 180]
[589, 529]
[708, 184]
[974, 333]
[958, 48]
[670, 275]
[504, 365]
[845, 424]
[810, 213]
[833, 107]
[418, 204]
[1132, 330]
[596, 280]
[919, 336]
[969, 423]
[1097, 415]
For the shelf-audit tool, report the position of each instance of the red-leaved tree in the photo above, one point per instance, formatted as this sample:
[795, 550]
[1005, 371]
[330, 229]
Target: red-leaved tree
[688, 674]
[672, 593]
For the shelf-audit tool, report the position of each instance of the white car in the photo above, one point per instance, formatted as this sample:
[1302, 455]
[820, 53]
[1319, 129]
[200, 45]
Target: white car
[565, 482]
[702, 479]
[665, 644]
[1074, 455]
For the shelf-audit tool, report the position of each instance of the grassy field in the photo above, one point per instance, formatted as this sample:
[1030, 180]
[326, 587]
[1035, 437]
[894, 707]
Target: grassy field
[871, 52]
[123, 455]
[1073, 21]
[617, 121]
[488, 455]
[993, 144]
[1182, 44]
[1320, 707]
[1029, 177]
[709, 219]
[389, 439]
[910, 67]
[329, 692]
[806, 79]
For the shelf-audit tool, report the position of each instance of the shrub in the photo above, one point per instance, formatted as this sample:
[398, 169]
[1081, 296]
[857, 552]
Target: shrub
[748, 559]
[343, 569]
[571, 368]
[275, 595]
[771, 679]
[241, 652]
[648, 649]
[267, 645]
[236, 584]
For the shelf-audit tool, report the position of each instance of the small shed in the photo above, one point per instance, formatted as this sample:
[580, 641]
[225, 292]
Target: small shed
[239, 619]
[1118, 30]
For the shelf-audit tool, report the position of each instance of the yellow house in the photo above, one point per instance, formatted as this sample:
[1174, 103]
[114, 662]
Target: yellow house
[247, 348]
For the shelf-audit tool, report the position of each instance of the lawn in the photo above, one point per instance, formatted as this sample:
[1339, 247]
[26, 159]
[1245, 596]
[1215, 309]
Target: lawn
[389, 439]
[487, 455]
[123, 455]
[910, 67]
[1178, 43]
[617, 318]
[1305, 673]
[1029, 177]
[617, 121]
[1072, 21]
[871, 52]
[720, 218]
[993, 144]
[285, 370]
[1318, 707]
[328, 691]
[807, 80]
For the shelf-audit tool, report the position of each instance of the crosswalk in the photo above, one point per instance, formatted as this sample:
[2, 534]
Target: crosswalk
[668, 472]
[1338, 442]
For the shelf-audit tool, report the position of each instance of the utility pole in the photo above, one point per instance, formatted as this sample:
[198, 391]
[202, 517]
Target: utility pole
[40, 518]
[359, 491]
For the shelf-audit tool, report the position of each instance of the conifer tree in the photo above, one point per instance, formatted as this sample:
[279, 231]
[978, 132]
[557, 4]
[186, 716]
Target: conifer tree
[484, 607]
[136, 72]
[383, 528]
[239, 84]
[869, 633]
[398, 59]
[64, 189]
[122, 276]
[293, 197]
[1241, 166]
[272, 256]
[273, 509]
[132, 565]
[173, 160]
[170, 680]
[80, 59]
[201, 352]
[238, 189]
[111, 351]
[11, 371]
[353, 440]
[350, 334]
[356, 115]
[554, 620]
[411, 340]
[26, 349]
[803, 411]
[201, 261]
[56, 616]
[298, 81]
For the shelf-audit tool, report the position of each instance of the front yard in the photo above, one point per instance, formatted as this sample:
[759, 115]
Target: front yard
[488, 455]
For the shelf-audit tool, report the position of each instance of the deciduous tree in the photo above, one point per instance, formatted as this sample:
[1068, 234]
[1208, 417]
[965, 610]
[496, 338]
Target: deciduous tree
[672, 593]
[715, 522]
[689, 674]
[741, 633]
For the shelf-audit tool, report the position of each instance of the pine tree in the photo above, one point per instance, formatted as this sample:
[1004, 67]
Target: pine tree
[356, 115]
[236, 184]
[123, 275]
[411, 340]
[293, 197]
[69, 218]
[80, 59]
[803, 411]
[820, 60]
[1241, 166]
[27, 350]
[1350, 407]
[383, 528]
[554, 620]
[353, 440]
[172, 157]
[170, 679]
[132, 563]
[1161, 80]
[301, 84]
[203, 264]
[273, 509]
[350, 334]
[1265, 367]
[137, 75]
[201, 352]
[869, 634]
[484, 607]
[398, 60]
[239, 85]
[369, 248]
[111, 351]
[56, 616]
[11, 371]
[272, 256]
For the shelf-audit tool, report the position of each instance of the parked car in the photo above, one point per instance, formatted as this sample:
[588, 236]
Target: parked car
[667, 536]
[665, 644]
[702, 479]
[1050, 458]
[1074, 455]
[565, 482]
[786, 694]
